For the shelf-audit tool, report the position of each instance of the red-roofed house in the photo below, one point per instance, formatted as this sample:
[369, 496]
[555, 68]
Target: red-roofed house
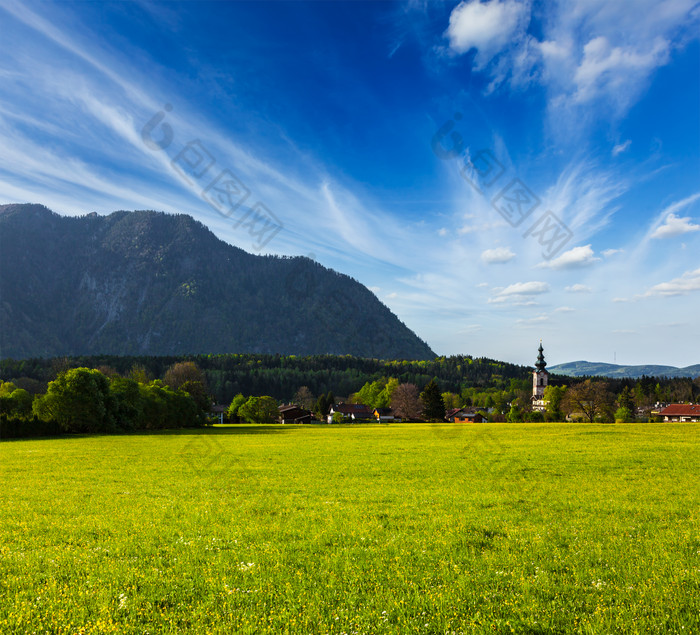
[681, 412]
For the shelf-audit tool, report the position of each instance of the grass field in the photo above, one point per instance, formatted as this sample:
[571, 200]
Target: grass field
[498, 528]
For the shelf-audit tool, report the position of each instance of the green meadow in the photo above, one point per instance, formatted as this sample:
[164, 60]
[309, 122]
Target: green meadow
[445, 528]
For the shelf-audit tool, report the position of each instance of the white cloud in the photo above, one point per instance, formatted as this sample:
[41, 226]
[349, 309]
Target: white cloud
[470, 328]
[519, 292]
[533, 321]
[488, 27]
[589, 50]
[584, 197]
[675, 226]
[471, 229]
[497, 255]
[621, 147]
[610, 69]
[564, 309]
[578, 288]
[611, 252]
[525, 288]
[572, 259]
[688, 282]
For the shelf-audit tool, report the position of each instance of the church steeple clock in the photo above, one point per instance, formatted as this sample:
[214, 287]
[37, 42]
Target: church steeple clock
[540, 376]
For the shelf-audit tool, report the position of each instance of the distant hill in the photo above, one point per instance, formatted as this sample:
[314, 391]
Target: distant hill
[581, 368]
[149, 283]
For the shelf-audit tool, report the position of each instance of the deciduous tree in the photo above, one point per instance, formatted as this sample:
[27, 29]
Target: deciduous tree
[304, 398]
[79, 400]
[237, 402]
[405, 401]
[554, 395]
[259, 410]
[590, 398]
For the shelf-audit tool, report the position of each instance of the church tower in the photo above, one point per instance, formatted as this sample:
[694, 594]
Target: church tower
[540, 376]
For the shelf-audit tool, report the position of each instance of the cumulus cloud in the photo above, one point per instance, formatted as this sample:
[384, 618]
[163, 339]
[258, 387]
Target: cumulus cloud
[488, 27]
[519, 293]
[675, 226]
[578, 288]
[588, 50]
[611, 252]
[498, 255]
[572, 259]
[525, 288]
[688, 282]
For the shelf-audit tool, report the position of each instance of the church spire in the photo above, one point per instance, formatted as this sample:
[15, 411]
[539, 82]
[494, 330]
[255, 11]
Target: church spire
[540, 359]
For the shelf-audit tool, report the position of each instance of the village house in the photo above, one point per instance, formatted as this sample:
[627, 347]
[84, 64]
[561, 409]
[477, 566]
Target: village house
[351, 411]
[218, 413]
[464, 415]
[292, 413]
[383, 415]
[681, 412]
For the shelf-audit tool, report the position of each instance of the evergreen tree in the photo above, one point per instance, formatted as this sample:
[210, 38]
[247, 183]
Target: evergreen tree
[322, 407]
[433, 405]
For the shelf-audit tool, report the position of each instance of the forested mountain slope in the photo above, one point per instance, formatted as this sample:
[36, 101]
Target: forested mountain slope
[149, 283]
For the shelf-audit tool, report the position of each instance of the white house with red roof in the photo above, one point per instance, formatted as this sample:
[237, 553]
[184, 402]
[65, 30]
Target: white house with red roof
[681, 412]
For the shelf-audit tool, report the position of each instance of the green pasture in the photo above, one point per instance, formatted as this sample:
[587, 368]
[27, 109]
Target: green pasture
[450, 528]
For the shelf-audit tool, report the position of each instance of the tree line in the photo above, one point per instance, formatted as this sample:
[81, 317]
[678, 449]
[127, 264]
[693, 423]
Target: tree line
[92, 400]
[131, 393]
[280, 376]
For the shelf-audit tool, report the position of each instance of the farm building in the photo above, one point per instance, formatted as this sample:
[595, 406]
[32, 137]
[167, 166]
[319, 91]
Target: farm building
[294, 414]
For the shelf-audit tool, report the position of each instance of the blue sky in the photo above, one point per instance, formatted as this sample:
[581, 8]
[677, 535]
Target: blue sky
[497, 173]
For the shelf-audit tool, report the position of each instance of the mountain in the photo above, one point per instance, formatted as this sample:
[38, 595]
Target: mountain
[581, 368]
[149, 283]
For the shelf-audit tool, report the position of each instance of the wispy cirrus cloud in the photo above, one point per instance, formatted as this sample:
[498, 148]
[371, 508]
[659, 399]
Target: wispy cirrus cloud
[621, 147]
